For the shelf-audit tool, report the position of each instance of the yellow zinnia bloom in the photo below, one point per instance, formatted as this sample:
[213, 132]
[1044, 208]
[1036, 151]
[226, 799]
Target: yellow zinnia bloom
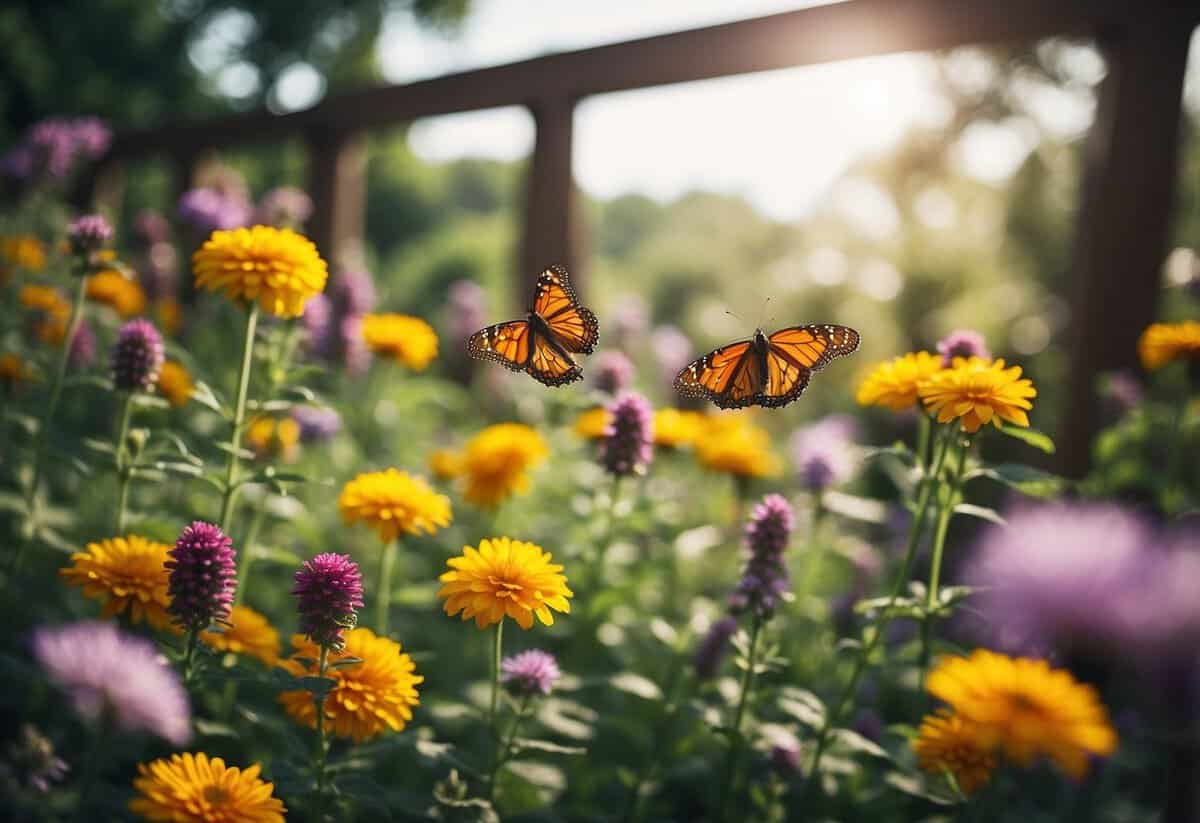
[1161, 343]
[1026, 709]
[194, 788]
[505, 578]
[114, 289]
[248, 633]
[947, 743]
[675, 428]
[445, 464]
[277, 267]
[393, 502]
[369, 697]
[405, 339]
[977, 392]
[730, 443]
[21, 251]
[894, 383]
[52, 312]
[593, 423]
[496, 463]
[175, 383]
[125, 574]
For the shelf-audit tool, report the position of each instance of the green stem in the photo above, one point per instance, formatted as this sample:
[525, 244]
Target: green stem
[189, 655]
[946, 511]
[124, 469]
[728, 785]
[506, 749]
[662, 737]
[239, 420]
[598, 557]
[497, 653]
[383, 597]
[91, 767]
[322, 748]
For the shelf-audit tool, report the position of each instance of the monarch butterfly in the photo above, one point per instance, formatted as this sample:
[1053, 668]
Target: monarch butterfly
[542, 344]
[769, 371]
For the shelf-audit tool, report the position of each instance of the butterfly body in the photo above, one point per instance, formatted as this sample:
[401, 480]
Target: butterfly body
[766, 370]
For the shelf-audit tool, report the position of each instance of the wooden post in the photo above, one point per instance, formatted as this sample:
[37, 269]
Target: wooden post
[337, 182]
[1121, 233]
[552, 231]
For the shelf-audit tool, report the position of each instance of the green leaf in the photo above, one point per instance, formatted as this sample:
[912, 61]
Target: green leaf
[182, 469]
[855, 742]
[150, 401]
[898, 607]
[803, 705]
[1035, 438]
[636, 684]
[953, 595]
[522, 744]
[898, 450]
[982, 512]
[274, 554]
[203, 394]
[1025, 479]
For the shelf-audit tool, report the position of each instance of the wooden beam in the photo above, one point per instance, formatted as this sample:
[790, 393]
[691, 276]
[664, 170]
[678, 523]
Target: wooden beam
[337, 181]
[551, 232]
[1121, 233]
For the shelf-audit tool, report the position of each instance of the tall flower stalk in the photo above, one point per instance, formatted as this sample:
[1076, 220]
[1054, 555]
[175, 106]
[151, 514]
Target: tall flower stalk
[137, 359]
[229, 493]
[494, 707]
[745, 696]
[949, 496]
[383, 597]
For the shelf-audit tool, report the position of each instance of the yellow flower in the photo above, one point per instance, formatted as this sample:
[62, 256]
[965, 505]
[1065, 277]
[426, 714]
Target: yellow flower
[277, 267]
[175, 383]
[894, 383]
[52, 312]
[21, 251]
[674, 428]
[977, 392]
[369, 697]
[114, 289]
[193, 788]
[1025, 708]
[445, 464]
[169, 314]
[505, 578]
[125, 574]
[248, 633]
[405, 339]
[267, 436]
[13, 370]
[497, 461]
[947, 743]
[593, 423]
[732, 444]
[1163, 342]
[393, 502]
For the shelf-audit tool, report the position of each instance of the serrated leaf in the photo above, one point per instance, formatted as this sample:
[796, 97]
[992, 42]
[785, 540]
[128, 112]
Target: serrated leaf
[1033, 437]
[982, 512]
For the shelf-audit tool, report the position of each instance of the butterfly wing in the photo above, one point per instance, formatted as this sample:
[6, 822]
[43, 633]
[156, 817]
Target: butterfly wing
[794, 353]
[550, 364]
[729, 376]
[508, 344]
[574, 327]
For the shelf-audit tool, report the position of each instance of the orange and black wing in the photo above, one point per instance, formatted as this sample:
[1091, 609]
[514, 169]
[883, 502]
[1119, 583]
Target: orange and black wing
[508, 344]
[574, 327]
[729, 376]
[793, 354]
[550, 364]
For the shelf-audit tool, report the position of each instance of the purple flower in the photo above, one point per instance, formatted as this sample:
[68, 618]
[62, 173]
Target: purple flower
[713, 647]
[353, 292]
[316, 422]
[83, 347]
[150, 227]
[672, 351]
[613, 372]
[628, 445]
[765, 578]
[137, 356]
[352, 349]
[823, 452]
[207, 209]
[530, 672]
[317, 321]
[962, 343]
[159, 271]
[466, 308]
[203, 576]
[285, 207]
[89, 233]
[111, 674]
[53, 147]
[329, 590]
[784, 755]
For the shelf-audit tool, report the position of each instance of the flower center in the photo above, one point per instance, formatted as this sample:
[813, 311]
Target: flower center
[504, 588]
[215, 795]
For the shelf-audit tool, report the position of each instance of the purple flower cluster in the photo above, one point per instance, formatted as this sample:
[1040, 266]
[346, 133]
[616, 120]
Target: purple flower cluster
[286, 207]
[329, 590]
[784, 755]
[962, 343]
[530, 672]
[203, 576]
[137, 356]
[316, 423]
[53, 147]
[89, 233]
[333, 324]
[107, 673]
[713, 647]
[628, 445]
[765, 579]
[206, 209]
[612, 372]
[823, 452]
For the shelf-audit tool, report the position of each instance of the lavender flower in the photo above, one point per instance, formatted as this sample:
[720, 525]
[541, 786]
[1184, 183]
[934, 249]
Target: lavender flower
[203, 576]
[329, 590]
[137, 356]
[352, 349]
[353, 292]
[150, 227]
[713, 647]
[962, 343]
[784, 755]
[32, 762]
[765, 578]
[317, 321]
[285, 207]
[628, 445]
[107, 673]
[89, 233]
[208, 209]
[530, 672]
[54, 146]
[823, 452]
[613, 372]
[83, 347]
[316, 422]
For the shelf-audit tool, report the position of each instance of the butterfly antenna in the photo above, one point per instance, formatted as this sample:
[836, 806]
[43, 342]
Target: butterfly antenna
[734, 316]
[763, 311]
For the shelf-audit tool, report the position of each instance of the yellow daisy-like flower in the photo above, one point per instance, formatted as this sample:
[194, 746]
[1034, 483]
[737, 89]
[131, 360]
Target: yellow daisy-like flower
[593, 423]
[369, 697]
[21, 251]
[13, 370]
[175, 383]
[393, 502]
[1026, 709]
[505, 578]
[894, 383]
[675, 428]
[114, 289]
[194, 788]
[978, 392]
[947, 743]
[52, 309]
[1161, 343]
[445, 464]
[248, 633]
[268, 436]
[730, 443]
[496, 463]
[277, 267]
[125, 574]
[405, 339]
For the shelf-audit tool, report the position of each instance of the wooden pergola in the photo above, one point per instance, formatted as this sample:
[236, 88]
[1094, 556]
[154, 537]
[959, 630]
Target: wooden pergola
[1128, 180]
